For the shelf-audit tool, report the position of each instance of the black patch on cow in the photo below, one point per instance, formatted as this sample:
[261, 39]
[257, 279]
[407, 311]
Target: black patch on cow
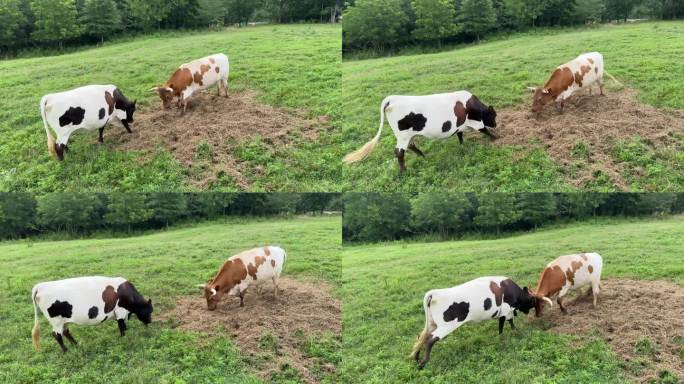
[446, 127]
[458, 311]
[60, 308]
[131, 300]
[510, 292]
[72, 116]
[475, 108]
[102, 113]
[92, 312]
[412, 121]
[487, 304]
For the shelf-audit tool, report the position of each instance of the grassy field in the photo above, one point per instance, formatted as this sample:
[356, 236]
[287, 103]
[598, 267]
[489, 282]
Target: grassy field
[295, 66]
[383, 287]
[162, 266]
[645, 57]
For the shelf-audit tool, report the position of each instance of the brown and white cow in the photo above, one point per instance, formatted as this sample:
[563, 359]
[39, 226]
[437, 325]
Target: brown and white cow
[195, 76]
[253, 267]
[580, 73]
[568, 273]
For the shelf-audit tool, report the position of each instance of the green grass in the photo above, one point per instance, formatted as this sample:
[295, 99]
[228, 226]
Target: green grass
[383, 287]
[162, 266]
[646, 57]
[293, 66]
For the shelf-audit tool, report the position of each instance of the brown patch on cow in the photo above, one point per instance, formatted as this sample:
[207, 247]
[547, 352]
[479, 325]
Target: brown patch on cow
[584, 256]
[595, 69]
[560, 81]
[179, 81]
[597, 123]
[204, 68]
[197, 78]
[267, 251]
[460, 112]
[252, 269]
[232, 272]
[551, 281]
[211, 60]
[110, 298]
[110, 101]
[590, 60]
[579, 76]
[497, 291]
[272, 263]
[226, 125]
[590, 268]
[302, 310]
[628, 311]
[217, 69]
[570, 273]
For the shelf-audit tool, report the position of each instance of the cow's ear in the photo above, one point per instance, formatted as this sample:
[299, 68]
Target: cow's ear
[149, 301]
[217, 287]
[526, 290]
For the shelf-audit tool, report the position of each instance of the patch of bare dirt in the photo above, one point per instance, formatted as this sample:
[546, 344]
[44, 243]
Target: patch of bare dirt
[582, 138]
[206, 136]
[301, 308]
[627, 312]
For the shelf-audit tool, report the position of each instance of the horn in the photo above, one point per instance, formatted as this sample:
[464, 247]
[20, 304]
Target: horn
[153, 89]
[533, 89]
[545, 91]
[213, 291]
[200, 285]
[547, 299]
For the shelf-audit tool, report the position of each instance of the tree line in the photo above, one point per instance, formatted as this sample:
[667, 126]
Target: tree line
[382, 24]
[24, 214]
[41, 23]
[374, 217]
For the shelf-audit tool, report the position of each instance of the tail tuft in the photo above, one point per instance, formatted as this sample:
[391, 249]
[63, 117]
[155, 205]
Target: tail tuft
[613, 78]
[362, 152]
[426, 331]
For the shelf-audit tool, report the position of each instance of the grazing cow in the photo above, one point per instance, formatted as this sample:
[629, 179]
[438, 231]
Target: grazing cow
[86, 301]
[254, 267]
[570, 77]
[90, 107]
[192, 77]
[567, 273]
[433, 116]
[481, 299]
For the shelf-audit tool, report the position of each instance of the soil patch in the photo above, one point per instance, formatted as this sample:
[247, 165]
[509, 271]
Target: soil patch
[640, 320]
[206, 137]
[583, 137]
[302, 309]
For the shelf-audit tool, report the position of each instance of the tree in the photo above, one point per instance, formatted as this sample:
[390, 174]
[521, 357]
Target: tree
[442, 213]
[590, 11]
[240, 11]
[378, 23]
[11, 21]
[536, 208]
[56, 21]
[620, 9]
[579, 205]
[166, 207]
[17, 214]
[70, 212]
[375, 216]
[101, 18]
[209, 204]
[524, 12]
[147, 14]
[127, 210]
[435, 20]
[211, 13]
[477, 17]
[496, 210]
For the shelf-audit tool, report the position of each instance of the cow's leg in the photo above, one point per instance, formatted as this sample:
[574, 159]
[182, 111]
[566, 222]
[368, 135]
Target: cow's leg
[488, 133]
[428, 348]
[122, 326]
[595, 292]
[400, 157]
[60, 341]
[225, 86]
[510, 321]
[275, 286]
[415, 150]
[100, 138]
[562, 106]
[259, 289]
[502, 321]
[559, 300]
[67, 334]
[460, 137]
[242, 298]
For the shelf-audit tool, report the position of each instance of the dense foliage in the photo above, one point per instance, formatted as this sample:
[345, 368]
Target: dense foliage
[377, 217]
[30, 23]
[382, 24]
[23, 214]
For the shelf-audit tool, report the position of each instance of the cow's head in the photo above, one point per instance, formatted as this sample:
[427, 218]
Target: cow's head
[542, 97]
[212, 293]
[539, 300]
[166, 94]
[144, 312]
[489, 117]
[526, 301]
[126, 114]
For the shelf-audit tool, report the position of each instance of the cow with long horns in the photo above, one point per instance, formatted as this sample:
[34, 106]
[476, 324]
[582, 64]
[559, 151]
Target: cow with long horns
[249, 268]
[565, 274]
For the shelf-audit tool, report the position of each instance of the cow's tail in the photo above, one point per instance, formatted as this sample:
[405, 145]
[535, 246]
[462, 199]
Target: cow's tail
[367, 148]
[613, 77]
[50, 139]
[35, 333]
[426, 331]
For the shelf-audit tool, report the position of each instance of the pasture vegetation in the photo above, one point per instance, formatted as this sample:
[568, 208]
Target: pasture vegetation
[163, 266]
[291, 66]
[384, 284]
[643, 56]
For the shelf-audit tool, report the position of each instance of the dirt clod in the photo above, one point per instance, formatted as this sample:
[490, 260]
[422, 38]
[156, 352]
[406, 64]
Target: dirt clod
[583, 137]
[206, 136]
[267, 324]
[631, 316]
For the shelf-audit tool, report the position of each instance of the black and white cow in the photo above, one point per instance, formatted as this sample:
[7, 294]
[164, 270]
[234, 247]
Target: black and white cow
[434, 116]
[90, 107]
[86, 301]
[491, 297]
